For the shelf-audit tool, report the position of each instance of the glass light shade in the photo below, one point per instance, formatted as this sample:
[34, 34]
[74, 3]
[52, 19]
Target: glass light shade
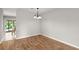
[35, 17]
[39, 17]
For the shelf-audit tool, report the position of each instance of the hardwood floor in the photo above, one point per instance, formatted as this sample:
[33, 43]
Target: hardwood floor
[38, 42]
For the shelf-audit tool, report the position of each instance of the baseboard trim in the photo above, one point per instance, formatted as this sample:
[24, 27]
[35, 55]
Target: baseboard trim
[62, 41]
[27, 36]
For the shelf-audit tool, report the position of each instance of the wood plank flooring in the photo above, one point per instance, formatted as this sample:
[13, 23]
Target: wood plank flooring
[38, 42]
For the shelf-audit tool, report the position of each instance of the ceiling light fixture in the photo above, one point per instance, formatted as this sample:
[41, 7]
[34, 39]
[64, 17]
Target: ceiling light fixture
[37, 16]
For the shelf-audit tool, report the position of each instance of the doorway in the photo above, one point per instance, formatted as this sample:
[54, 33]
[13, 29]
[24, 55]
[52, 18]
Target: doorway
[10, 29]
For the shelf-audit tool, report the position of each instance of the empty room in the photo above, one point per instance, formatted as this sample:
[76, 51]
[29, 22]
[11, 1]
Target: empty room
[39, 28]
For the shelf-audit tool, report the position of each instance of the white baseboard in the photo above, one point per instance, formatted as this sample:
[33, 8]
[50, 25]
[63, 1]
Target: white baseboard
[61, 41]
[26, 36]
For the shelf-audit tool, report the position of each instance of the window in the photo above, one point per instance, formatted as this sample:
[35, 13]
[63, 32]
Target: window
[10, 25]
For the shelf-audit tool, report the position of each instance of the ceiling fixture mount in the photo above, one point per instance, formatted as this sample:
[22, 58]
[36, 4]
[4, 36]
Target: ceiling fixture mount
[37, 16]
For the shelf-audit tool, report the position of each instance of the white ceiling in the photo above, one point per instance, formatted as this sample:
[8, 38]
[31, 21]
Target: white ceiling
[12, 11]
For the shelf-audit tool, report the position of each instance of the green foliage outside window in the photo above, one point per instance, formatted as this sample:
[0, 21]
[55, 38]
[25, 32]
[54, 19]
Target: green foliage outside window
[10, 24]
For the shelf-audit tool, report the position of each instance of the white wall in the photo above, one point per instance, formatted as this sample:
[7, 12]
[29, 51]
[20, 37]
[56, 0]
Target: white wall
[26, 25]
[62, 24]
[1, 25]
